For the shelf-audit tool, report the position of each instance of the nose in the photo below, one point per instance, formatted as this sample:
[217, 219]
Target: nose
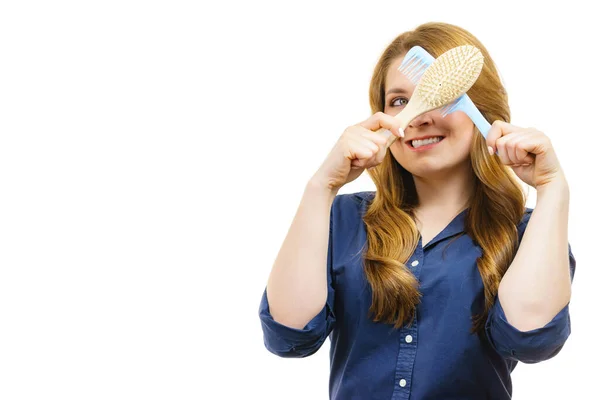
[421, 120]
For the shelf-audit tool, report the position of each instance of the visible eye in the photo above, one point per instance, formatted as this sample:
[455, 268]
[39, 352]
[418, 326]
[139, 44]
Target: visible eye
[397, 99]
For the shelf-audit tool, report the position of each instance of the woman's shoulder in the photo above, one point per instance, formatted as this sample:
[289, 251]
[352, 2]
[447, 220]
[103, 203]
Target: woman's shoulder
[356, 199]
[348, 208]
[347, 229]
[351, 203]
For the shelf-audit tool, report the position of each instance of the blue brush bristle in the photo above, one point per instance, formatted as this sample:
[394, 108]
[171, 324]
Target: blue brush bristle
[415, 62]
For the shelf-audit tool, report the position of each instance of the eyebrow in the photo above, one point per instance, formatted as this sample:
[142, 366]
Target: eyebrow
[396, 90]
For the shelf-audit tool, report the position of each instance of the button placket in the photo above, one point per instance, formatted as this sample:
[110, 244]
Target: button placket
[406, 360]
[408, 346]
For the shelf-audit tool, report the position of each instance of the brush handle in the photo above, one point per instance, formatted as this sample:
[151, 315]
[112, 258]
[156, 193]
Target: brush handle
[478, 119]
[413, 109]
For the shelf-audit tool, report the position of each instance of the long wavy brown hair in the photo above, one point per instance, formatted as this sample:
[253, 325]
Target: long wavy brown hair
[494, 210]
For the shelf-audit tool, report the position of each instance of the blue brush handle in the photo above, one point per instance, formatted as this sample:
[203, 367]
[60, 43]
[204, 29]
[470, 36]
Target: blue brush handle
[468, 107]
[473, 112]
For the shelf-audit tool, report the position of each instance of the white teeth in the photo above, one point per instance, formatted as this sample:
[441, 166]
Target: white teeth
[419, 143]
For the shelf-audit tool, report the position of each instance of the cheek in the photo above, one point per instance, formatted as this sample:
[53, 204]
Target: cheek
[457, 120]
[458, 125]
[398, 147]
[396, 151]
[463, 142]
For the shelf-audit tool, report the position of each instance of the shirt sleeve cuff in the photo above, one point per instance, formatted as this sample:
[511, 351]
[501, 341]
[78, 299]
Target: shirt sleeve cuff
[286, 341]
[527, 346]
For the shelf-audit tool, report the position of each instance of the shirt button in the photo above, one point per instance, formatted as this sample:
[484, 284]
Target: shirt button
[415, 263]
[408, 339]
[402, 382]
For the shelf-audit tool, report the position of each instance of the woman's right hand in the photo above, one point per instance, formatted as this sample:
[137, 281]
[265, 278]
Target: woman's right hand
[359, 147]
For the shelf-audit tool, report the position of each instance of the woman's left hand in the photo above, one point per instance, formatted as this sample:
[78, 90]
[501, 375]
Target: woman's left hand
[527, 151]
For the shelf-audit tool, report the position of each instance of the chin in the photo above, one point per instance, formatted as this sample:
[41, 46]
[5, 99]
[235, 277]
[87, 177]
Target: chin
[429, 170]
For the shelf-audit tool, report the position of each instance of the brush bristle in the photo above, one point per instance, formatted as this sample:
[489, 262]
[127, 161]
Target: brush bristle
[413, 69]
[450, 75]
[415, 63]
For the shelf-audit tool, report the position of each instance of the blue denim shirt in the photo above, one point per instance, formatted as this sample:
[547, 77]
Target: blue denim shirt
[437, 357]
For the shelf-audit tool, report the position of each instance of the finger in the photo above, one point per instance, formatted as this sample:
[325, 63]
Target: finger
[510, 145]
[499, 128]
[377, 138]
[536, 143]
[502, 151]
[366, 162]
[522, 147]
[381, 120]
[358, 163]
[521, 156]
[377, 158]
[381, 155]
[358, 149]
[366, 142]
[373, 161]
[511, 150]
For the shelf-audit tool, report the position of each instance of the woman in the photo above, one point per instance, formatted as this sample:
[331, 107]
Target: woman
[435, 285]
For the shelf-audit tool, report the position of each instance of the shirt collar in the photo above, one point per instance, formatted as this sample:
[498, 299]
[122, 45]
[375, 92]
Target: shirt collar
[456, 226]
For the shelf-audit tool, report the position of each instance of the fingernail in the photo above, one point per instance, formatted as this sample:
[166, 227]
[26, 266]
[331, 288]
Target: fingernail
[401, 132]
[490, 150]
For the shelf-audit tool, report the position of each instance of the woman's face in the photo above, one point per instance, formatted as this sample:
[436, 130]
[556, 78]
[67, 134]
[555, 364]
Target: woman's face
[451, 154]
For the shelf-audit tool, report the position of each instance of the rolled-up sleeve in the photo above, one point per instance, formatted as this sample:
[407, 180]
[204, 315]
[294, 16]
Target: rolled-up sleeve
[289, 342]
[286, 341]
[529, 346]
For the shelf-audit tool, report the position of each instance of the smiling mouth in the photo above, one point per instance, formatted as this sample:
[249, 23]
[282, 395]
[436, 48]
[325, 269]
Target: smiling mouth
[410, 144]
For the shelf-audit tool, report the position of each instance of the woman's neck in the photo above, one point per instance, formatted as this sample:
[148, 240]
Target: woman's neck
[445, 195]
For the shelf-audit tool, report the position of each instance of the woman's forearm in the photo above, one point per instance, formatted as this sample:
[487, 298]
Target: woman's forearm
[537, 285]
[297, 285]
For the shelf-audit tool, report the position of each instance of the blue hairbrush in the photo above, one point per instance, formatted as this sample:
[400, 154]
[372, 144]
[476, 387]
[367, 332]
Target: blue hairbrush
[414, 65]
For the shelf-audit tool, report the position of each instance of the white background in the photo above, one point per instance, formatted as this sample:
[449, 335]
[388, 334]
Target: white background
[153, 155]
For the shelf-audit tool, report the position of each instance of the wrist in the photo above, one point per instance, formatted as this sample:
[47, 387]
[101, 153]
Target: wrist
[320, 186]
[554, 191]
[558, 187]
